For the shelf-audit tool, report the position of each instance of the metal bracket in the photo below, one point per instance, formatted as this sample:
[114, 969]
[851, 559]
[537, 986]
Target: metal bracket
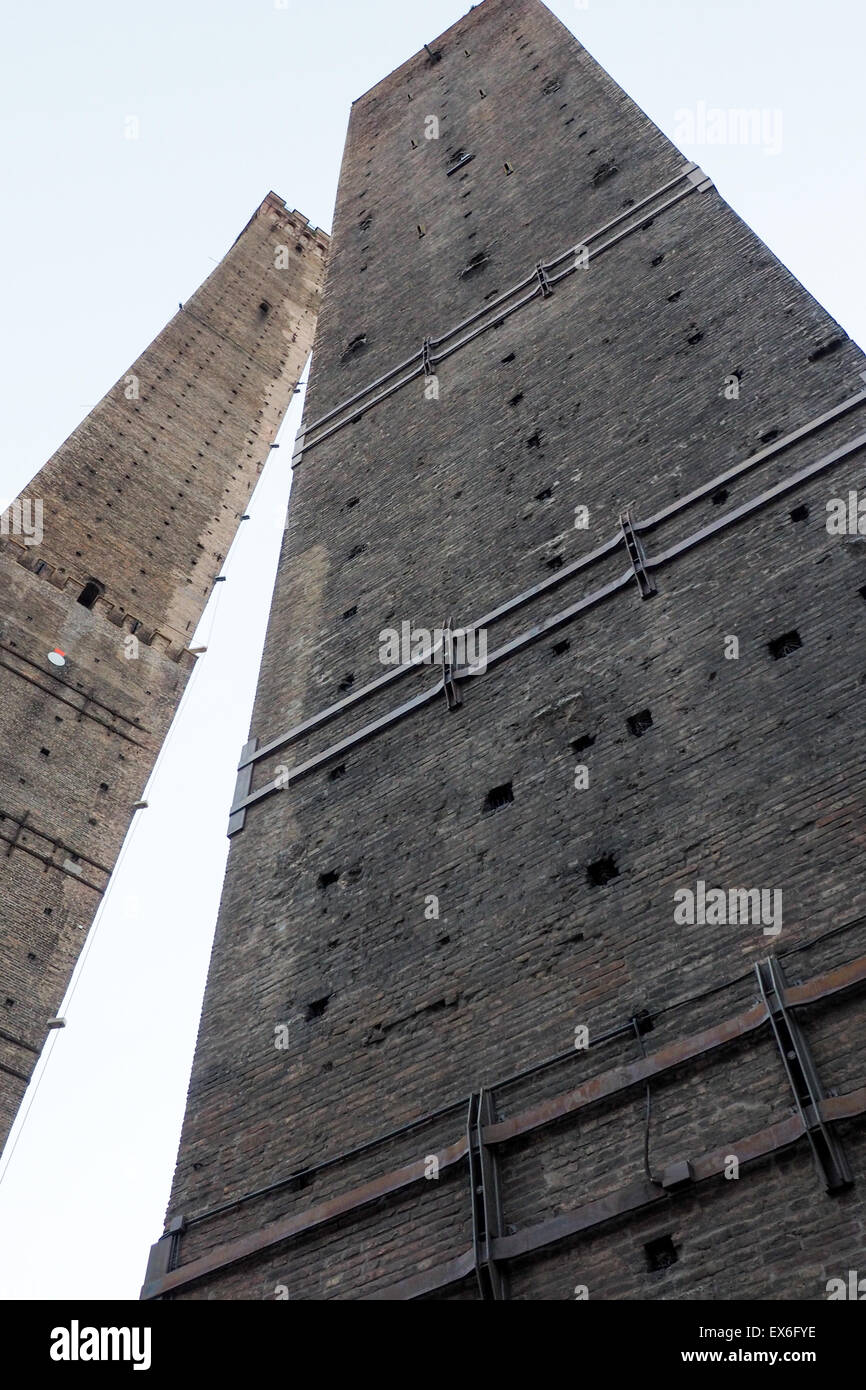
[645, 582]
[696, 175]
[163, 1255]
[449, 683]
[244, 781]
[484, 1196]
[427, 358]
[18, 829]
[544, 282]
[803, 1077]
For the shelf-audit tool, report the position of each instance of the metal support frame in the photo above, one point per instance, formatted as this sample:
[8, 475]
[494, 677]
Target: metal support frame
[427, 358]
[636, 553]
[809, 1094]
[485, 1131]
[484, 1196]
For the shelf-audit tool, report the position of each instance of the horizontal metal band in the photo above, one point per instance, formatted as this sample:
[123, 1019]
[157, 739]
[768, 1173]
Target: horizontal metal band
[537, 631]
[494, 313]
[279, 1231]
[544, 586]
[609, 1083]
[295, 773]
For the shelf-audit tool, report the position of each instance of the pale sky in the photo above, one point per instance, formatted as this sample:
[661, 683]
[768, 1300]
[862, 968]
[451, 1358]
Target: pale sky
[101, 238]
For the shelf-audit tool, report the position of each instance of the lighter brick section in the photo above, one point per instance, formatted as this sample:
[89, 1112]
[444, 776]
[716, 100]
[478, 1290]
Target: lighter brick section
[144, 498]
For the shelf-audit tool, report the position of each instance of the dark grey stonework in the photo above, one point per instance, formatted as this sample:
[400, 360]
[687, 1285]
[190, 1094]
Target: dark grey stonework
[683, 349]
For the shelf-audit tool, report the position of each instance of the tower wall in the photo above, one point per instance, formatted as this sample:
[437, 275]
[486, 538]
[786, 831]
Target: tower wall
[140, 503]
[340, 1008]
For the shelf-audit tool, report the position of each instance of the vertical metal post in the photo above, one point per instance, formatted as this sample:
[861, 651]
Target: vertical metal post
[827, 1151]
[243, 783]
[485, 1197]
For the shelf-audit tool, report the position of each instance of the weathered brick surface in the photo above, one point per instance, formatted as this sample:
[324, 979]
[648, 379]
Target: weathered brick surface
[608, 393]
[144, 498]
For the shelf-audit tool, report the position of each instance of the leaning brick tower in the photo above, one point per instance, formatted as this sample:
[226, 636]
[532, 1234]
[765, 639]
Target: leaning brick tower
[540, 973]
[106, 563]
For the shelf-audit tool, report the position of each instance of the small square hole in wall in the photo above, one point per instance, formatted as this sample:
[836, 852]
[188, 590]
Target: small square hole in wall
[660, 1253]
[326, 879]
[784, 645]
[347, 682]
[350, 612]
[498, 798]
[601, 871]
[720, 495]
[561, 647]
[639, 723]
[579, 745]
[317, 1007]
[337, 772]
[862, 592]
[800, 513]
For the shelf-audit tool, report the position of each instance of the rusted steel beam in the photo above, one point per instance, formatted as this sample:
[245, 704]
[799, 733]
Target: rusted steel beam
[618, 1079]
[276, 1232]
[675, 1054]
[439, 1277]
[853, 972]
[642, 1194]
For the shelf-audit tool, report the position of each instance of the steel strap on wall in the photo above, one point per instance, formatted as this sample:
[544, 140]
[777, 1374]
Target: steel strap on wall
[641, 568]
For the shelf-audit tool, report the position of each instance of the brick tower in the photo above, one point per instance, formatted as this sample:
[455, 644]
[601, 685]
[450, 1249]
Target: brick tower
[537, 968]
[107, 561]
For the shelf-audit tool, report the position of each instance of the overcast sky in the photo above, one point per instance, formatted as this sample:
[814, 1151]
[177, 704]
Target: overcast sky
[101, 237]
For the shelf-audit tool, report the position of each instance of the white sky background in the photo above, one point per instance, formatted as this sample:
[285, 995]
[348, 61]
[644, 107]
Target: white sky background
[100, 238]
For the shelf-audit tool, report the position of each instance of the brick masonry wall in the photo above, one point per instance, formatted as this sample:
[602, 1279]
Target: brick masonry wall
[143, 498]
[611, 392]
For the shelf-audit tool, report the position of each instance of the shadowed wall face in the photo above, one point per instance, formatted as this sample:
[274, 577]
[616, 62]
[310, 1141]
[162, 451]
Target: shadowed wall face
[465, 893]
[106, 563]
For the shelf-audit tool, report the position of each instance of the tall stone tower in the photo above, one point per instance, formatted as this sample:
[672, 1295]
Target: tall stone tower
[538, 960]
[107, 561]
